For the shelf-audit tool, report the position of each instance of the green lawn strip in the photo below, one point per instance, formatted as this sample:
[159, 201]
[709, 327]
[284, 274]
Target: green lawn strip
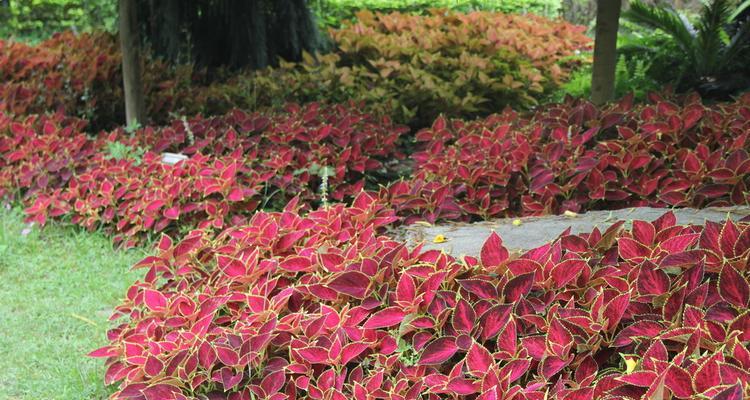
[57, 289]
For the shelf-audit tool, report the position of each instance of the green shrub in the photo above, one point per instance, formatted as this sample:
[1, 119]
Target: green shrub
[631, 76]
[414, 67]
[35, 20]
[334, 12]
[709, 55]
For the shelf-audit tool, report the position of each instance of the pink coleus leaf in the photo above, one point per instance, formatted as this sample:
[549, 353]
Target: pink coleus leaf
[155, 300]
[352, 350]
[296, 264]
[386, 317]
[314, 354]
[172, 213]
[352, 283]
[478, 360]
[273, 382]
[438, 351]
[106, 351]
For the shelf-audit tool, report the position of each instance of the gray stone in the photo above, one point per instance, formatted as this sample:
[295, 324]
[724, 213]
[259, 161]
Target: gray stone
[467, 239]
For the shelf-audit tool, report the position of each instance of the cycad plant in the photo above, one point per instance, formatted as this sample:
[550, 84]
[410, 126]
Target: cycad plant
[713, 54]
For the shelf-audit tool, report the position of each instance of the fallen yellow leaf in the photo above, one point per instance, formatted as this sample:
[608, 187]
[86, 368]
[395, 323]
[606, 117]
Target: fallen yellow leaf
[517, 222]
[630, 364]
[439, 239]
[569, 213]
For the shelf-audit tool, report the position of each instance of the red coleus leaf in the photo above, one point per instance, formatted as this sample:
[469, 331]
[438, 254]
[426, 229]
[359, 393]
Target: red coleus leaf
[518, 287]
[551, 365]
[406, 290]
[438, 351]
[652, 280]
[352, 283]
[733, 287]
[679, 382]
[629, 249]
[567, 271]
[493, 253]
[734, 392]
[482, 288]
[640, 378]
[463, 316]
[615, 309]
[386, 317]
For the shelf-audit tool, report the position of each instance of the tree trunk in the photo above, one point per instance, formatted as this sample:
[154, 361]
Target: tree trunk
[135, 105]
[605, 51]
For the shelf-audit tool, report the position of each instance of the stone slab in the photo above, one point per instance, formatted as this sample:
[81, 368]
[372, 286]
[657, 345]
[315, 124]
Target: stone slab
[467, 239]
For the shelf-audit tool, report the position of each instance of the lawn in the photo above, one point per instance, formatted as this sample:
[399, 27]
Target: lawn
[57, 287]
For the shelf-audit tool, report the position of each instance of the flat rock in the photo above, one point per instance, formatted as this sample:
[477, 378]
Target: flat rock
[467, 239]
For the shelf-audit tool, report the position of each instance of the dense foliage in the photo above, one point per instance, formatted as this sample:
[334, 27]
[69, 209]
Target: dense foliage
[710, 55]
[573, 156]
[36, 20]
[276, 280]
[399, 65]
[238, 163]
[415, 67]
[335, 12]
[322, 307]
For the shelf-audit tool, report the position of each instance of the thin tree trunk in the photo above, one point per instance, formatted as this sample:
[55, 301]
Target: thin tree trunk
[605, 51]
[135, 105]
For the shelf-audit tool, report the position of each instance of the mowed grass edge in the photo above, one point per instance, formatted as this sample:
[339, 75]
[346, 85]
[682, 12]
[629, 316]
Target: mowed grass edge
[58, 286]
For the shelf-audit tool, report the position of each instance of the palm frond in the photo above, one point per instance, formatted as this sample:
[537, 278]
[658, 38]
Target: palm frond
[711, 38]
[665, 19]
[738, 47]
[740, 8]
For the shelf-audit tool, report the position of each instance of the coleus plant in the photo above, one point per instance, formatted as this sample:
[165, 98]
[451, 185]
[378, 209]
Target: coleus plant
[252, 161]
[573, 156]
[320, 306]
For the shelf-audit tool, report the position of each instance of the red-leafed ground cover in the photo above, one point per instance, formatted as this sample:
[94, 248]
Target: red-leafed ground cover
[239, 163]
[322, 307]
[573, 156]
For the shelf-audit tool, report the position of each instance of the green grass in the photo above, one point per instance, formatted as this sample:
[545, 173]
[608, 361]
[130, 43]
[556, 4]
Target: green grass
[57, 288]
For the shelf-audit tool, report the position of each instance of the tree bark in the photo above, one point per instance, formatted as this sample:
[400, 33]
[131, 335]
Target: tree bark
[605, 51]
[135, 105]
